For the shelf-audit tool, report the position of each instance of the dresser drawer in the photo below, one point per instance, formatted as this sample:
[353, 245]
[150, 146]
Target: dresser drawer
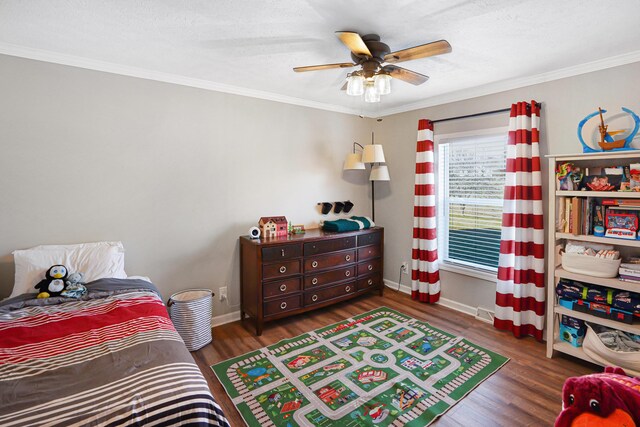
[322, 262]
[369, 282]
[328, 277]
[369, 239]
[281, 305]
[325, 294]
[368, 252]
[329, 245]
[281, 269]
[371, 266]
[281, 287]
[276, 253]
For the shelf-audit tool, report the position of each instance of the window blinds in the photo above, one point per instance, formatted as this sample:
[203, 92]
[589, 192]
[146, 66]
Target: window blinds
[471, 175]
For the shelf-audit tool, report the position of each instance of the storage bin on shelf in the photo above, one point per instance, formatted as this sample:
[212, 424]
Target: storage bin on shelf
[590, 265]
[597, 351]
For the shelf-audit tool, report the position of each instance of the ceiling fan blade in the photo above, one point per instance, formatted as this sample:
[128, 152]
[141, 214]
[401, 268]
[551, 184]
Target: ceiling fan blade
[406, 75]
[323, 67]
[416, 52]
[354, 42]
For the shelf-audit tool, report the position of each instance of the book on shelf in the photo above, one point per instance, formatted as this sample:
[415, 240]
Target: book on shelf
[575, 215]
[580, 215]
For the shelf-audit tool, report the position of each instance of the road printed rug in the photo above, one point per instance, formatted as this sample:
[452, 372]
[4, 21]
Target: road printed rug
[381, 368]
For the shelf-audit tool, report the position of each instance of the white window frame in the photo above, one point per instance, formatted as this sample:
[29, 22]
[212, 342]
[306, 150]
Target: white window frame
[460, 267]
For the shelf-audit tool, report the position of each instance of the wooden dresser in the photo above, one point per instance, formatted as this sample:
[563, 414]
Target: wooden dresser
[284, 276]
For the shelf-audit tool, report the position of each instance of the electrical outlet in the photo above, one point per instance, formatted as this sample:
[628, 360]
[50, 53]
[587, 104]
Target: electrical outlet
[405, 267]
[223, 293]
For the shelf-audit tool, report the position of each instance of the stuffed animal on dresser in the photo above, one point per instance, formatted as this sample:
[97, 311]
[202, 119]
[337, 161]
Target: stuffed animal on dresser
[53, 284]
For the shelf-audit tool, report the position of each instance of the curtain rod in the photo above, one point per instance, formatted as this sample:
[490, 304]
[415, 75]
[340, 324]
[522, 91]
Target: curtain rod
[504, 110]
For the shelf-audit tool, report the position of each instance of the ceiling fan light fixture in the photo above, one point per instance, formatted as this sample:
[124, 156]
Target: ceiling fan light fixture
[370, 93]
[382, 83]
[355, 84]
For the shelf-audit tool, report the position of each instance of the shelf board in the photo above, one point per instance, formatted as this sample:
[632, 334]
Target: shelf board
[565, 347]
[597, 155]
[608, 282]
[596, 239]
[633, 329]
[605, 194]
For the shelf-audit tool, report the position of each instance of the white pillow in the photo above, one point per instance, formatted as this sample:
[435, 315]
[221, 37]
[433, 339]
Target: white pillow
[95, 260]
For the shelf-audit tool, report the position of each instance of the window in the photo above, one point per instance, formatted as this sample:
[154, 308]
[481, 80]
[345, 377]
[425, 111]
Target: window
[471, 175]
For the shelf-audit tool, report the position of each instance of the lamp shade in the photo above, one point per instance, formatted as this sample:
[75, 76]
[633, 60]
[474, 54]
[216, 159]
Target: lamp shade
[370, 92]
[373, 153]
[379, 173]
[353, 161]
[355, 85]
[382, 83]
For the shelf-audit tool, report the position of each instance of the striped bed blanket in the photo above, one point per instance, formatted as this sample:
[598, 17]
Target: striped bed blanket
[111, 358]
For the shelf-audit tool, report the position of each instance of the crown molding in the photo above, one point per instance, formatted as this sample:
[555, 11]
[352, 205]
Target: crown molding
[125, 70]
[504, 85]
[460, 95]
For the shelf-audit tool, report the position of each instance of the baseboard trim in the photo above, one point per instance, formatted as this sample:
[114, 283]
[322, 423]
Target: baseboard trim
[225, 318]
[445, 302]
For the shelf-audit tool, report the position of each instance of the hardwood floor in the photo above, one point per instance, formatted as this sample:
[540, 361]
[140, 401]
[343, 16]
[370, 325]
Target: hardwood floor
[524, 392]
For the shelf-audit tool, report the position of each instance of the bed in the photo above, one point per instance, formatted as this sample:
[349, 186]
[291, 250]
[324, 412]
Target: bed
[110, 358]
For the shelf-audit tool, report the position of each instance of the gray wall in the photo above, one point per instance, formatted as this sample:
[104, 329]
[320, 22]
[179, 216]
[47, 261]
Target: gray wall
[179, 173]
[565, 103]
[174, 172]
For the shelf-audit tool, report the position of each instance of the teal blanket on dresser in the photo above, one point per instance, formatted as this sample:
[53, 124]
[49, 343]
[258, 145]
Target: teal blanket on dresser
[354, 223]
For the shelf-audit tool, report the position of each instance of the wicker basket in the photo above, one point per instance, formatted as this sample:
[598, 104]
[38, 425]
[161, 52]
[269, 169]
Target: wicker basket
[590, 265]
[595, 349]
[191, 313]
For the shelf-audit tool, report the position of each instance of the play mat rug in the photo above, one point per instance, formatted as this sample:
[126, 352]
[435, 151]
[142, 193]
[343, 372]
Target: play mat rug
[380, 368]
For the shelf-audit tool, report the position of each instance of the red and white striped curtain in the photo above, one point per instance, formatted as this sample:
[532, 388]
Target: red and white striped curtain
[425, 277]
[520, 288]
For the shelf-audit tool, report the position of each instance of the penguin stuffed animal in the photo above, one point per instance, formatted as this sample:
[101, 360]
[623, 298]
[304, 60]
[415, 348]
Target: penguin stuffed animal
[54, 284]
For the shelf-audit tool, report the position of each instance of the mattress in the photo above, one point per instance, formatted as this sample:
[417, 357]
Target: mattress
[110, 358]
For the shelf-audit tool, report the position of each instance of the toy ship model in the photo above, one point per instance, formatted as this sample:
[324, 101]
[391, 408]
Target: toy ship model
[606, 142]
[603, 143]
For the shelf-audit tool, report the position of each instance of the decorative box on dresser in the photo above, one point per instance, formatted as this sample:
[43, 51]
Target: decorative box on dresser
[284, 276]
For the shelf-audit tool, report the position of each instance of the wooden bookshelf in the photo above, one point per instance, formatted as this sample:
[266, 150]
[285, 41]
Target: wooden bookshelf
[632, 247]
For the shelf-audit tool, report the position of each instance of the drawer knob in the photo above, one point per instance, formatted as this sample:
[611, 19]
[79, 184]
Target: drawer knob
[314, 281]
[314, 298]
[370, 251]
[347, 289]
[314, 264]
[369, 282]
[282, 252]
[283, 305]
[347, 273]
[283, 269]
[283, 287]
[370, 267]
[348, 258]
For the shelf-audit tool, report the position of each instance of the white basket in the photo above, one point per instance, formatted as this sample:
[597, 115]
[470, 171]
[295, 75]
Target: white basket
[595, 349]
[190, 312]
[590, 265]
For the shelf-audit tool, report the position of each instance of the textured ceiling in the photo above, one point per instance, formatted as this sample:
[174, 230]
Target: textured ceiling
[251, 46]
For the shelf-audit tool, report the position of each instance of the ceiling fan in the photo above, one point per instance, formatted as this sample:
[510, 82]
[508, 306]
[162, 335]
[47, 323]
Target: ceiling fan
[377, 64]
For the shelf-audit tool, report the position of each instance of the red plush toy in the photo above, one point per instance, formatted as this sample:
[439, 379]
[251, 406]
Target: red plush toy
[603, 400]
